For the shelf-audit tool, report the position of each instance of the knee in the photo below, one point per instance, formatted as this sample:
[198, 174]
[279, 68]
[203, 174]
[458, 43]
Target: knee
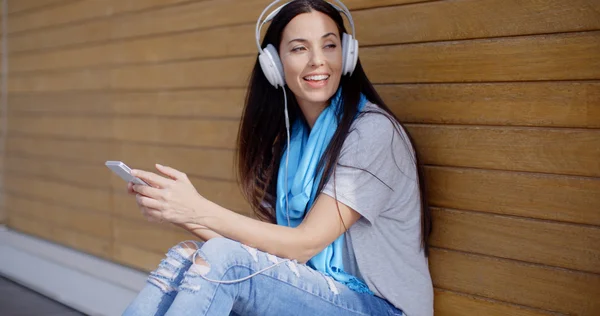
[223, 252]
[185, 249]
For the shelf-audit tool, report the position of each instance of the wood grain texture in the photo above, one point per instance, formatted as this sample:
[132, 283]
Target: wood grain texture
[544, 57]
[425, 22]
[67, 237]
[449, 303]
[137, 257]
[509, 59]
[515, 282]
[518, 238]
[24, 6]
[71, 195]
[147, 236]
[78, 220]
[551, 104]
[558, 198]
[554, 104]
[77, 11]
[185, 17]
[78, 150]
[468, 19]
[556, 151]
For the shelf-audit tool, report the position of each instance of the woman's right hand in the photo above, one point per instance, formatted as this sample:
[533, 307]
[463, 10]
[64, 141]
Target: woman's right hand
[142, 209]
[199, 230]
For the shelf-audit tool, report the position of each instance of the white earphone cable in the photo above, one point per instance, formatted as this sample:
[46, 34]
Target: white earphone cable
[287, 158]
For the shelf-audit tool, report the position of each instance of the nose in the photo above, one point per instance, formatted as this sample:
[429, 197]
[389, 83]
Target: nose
[317, 58]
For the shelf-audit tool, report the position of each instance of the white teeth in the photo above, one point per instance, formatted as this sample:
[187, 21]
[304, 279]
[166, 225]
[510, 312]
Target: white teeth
[317, 77]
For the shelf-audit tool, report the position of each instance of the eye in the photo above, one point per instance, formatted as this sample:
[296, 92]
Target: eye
[330, 46]
[298, 48]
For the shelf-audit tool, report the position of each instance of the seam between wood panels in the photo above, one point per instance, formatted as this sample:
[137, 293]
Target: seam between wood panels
[519, 262]
[102, 17]
[515, 217]
[111, 140]
[42, 8]
[178, 32]
[18, 94]
[496, 301]
[518, 172]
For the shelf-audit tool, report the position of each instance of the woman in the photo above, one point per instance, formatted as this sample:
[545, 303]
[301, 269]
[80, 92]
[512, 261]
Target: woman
[344, 228]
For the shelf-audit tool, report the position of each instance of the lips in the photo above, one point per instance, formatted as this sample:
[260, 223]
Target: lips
[316, 77]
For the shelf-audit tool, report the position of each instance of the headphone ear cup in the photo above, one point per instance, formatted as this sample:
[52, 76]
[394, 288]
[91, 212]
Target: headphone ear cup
[349, 54]
[271, 66]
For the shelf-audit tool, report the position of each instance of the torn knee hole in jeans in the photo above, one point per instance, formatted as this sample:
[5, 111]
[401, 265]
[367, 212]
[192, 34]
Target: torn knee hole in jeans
[199, 265]
[187, 248]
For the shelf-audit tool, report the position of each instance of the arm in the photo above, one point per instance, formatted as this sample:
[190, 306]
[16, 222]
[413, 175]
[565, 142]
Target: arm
[320, 228]
[201, 231]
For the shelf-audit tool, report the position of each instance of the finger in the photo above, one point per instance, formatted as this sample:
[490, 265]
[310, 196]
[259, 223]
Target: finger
[147, 202]
[171, 172]
[151, 178]
[148, 191]
[130, 189]
[152, 215]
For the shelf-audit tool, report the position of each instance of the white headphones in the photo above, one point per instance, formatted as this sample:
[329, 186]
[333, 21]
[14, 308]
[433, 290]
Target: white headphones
[269, 58]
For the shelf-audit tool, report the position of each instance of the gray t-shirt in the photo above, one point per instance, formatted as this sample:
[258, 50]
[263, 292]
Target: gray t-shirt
[383, 248]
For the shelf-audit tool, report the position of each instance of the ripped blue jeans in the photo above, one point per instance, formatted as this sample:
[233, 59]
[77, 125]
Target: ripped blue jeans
[180, 287]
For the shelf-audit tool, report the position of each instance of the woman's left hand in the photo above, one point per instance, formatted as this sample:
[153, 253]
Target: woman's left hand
[173, 199]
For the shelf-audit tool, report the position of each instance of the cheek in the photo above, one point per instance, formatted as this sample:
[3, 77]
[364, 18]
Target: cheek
[293, 66]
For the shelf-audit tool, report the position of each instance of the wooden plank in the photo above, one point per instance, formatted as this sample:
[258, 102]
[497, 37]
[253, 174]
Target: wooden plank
[185, 17]
[82, 221]
[80, 150]
[148, 236]
[21, 6]
[558, 198]
[188, 132]
[98, 127]
[555, 244]
[136, 257]
[194, 15]
[210, 103]
[77, 11]
[74, 196]
[464, 19]
[207, 163]
[63, 102]
[558, 151]
[92, 245]
[97, 79]
[449, 303]
[88, 157]
[217, 73]
[510, 281]
[227, 41]
[558, 104]
[437, 21]
[507, 59]
[89, 175]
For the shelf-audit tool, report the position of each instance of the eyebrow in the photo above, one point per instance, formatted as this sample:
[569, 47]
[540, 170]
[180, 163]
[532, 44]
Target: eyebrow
[303, 40]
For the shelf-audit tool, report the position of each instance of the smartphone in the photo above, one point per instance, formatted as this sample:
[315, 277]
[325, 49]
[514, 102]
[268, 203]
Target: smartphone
[123, 171]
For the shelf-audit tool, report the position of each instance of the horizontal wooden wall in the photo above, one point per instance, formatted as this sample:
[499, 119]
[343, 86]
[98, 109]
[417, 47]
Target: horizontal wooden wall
[501, 97]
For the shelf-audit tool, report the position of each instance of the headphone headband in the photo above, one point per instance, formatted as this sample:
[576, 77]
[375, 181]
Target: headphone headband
[341, 8]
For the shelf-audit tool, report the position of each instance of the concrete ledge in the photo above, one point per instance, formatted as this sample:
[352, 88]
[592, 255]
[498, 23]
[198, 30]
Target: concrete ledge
[86, 283]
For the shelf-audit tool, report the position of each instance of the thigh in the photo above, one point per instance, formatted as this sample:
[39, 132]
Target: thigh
[288, 288]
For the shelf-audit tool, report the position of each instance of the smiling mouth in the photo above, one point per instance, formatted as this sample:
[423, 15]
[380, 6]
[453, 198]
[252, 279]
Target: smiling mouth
[316, 78]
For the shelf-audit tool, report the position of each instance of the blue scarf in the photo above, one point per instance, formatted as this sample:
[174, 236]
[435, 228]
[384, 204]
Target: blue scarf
[306, 149]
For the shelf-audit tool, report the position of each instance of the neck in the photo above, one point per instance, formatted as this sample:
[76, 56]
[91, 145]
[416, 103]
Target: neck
[311, 111]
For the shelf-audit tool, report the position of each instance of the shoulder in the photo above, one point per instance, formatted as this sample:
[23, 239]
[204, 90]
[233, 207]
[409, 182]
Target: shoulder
[374, 128]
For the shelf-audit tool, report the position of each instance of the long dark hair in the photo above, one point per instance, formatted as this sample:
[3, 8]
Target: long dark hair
[262, 133]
